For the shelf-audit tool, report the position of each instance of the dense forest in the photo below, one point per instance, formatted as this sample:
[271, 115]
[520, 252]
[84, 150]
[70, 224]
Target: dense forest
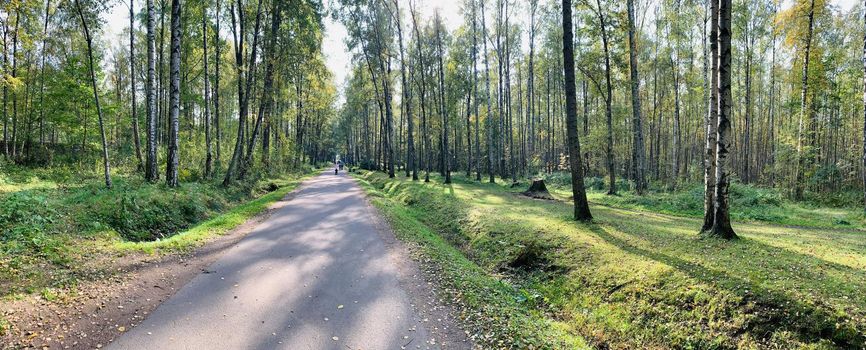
[696, 170]
[489, 99]
[195, 90]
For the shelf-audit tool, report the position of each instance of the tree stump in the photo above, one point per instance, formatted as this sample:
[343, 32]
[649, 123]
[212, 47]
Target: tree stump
[538, 190]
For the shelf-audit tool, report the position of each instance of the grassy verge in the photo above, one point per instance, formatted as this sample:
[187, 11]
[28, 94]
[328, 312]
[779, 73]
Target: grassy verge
[496, 311]
[218, 225]
[634, 279]
[53, 228]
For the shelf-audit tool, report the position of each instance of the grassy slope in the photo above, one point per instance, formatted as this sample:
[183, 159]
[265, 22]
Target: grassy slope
[639, 279]
[52, 223]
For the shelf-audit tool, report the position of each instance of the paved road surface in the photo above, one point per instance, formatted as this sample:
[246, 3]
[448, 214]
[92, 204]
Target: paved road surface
[315, 275]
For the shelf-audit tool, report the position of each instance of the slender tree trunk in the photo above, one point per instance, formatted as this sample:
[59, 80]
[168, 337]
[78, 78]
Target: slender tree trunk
[171, 171]
[608, 102]
[407, 100]
[42, 74]
[772, 124]
[446, 158]
[864, 109]
[267, 94]
[244, 90]
[207, 123]
[106, 166]
[151, 172]
[487, 120]
[530, 83]
[804, 93]
[475, 92]
[747, 129]
[581, 206]
[132, 89]
[721, 220]
[677, 130]
[5, 95]
[216, 87]
[15, 75]
[638, 158]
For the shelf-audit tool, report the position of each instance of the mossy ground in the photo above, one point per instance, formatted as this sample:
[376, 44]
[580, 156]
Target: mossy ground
[633, 279]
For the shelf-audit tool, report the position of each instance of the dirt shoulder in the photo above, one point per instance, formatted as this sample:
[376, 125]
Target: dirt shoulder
[96, 312]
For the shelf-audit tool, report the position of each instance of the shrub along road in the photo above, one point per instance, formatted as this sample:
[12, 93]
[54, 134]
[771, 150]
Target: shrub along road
[319, 273]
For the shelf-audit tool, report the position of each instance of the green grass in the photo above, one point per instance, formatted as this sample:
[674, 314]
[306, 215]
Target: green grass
[748, 203]
[637, 279]
[54, 225]
[216, 226]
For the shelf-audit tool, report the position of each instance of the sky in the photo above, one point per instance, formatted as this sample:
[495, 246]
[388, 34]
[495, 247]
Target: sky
[336, 56]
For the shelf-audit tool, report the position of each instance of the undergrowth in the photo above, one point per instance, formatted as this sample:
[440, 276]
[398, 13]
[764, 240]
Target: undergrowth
[51, 224]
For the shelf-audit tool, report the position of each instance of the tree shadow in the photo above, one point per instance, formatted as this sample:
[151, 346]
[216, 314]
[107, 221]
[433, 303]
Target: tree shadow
[775, 310]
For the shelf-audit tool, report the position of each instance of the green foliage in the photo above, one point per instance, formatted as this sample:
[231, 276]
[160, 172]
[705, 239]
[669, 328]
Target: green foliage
[26, 227]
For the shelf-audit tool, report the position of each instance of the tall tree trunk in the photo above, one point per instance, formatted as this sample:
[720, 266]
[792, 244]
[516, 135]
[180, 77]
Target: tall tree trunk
[711, 122]
[607, 101]
[132, 89]
[207, 123]
[638, 158]
[5, 95]
[747, 129]
[864, 109]
[475, 92]
[772, 124]
[581, 206]
[244, 90]
[172, 160]
[407, 99]
[42, 73]
[487, 120]
[721, 219]
[216, 87]
[446, 158]
[677, 130]
[14, 75]
[267, 94]
[151, 172]
[804, 93]
[105, 165]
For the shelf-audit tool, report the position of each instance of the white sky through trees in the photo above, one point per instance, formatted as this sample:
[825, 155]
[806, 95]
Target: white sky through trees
[337, 58]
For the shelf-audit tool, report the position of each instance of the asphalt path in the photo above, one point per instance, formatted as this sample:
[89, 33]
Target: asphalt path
[316, 274]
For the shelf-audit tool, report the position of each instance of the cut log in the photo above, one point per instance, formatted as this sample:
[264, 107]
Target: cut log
[538, 190]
